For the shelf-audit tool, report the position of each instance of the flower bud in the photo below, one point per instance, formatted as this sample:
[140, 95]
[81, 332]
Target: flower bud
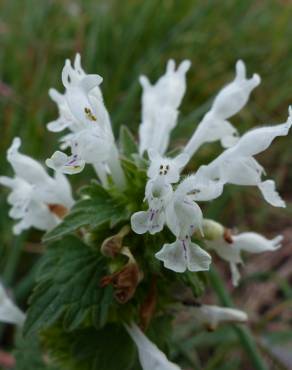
[212, 230]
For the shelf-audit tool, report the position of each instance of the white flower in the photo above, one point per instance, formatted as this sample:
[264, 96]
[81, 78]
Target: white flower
[212, 316]
[82, 111]
[166, 168]
[248, 242]
[236, 165]
[159, 107]
[183, 216]
[150, 356]
[230, 100]
[34, 194]
[67, 119]
[158, 194]
[9, 312]
[184, 255]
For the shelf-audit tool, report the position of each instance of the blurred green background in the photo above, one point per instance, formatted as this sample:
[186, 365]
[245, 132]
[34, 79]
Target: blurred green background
[121, 40]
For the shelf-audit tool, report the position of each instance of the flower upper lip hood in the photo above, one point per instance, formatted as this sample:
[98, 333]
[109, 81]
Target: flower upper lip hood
[233, 97]
[159, 107]
[229, 101]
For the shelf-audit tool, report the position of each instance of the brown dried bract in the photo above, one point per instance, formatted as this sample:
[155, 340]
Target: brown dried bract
[124, 282]
[112, 246]
[228, 236]
[58, 209]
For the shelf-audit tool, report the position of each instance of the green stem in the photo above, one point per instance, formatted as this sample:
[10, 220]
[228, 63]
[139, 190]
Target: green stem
[243, 333]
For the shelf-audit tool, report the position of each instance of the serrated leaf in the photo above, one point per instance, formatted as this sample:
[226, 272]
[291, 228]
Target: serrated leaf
[28, 355]
[128, 145]
[97, 208]
[109, 348]
[68, 288]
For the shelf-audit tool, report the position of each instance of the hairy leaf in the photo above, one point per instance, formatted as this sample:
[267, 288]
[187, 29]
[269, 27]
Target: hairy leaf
[28, 355]
[128, 145]
[109, 348]
[69, 289]
[97, 207]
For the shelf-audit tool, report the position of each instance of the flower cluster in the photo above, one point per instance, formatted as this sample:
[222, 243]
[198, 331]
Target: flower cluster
[178, 208]
[41, 201]
[83, 113]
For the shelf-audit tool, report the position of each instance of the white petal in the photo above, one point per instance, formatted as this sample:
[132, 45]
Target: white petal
[7, 181]
[198, 259]
[37, 215]
[151, 221]
[233, 97]
[256, 243]
[228, 102]
[57, 97]
[77, 65]
[199, 187]
[64, 192]
[68, 165]
[181, 160]
[26, 167]
[259, 139]
[227, 251]
[150, 356]
[58, 125]
[173, 256]
[9, 312]
[211, 129]
[189, 217]
[139, 222]
[165, 168]
[235, 274]
[269, 192]
[89, 82]
[212, 316]
[92, 145]
[159, 107]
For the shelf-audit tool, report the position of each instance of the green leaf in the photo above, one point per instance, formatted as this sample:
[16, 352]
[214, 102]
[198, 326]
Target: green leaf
[109, 348]
[96, 208]
[69, 289]
[128, 145]
[28, 355]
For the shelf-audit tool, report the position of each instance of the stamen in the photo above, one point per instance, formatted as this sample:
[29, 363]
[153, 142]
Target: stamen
[89, 114]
